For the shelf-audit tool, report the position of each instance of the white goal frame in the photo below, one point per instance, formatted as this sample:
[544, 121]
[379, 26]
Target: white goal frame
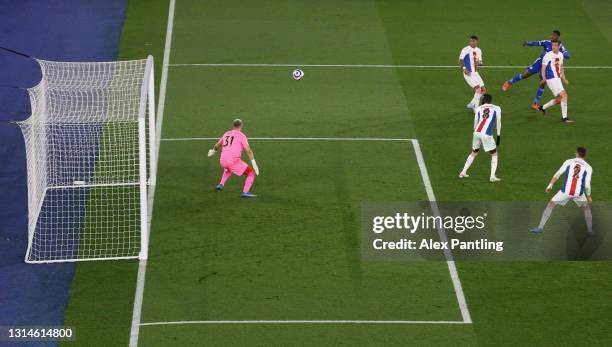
[38, 188]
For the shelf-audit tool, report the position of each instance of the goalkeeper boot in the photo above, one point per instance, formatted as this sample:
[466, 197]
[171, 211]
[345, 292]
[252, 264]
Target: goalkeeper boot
[248, 195]
[219, 187]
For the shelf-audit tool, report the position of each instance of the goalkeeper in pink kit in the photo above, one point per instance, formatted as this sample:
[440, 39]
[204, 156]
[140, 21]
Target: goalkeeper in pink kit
[232, 143]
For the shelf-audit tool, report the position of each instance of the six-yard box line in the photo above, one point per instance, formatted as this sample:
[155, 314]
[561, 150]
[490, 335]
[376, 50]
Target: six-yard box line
[465, 314]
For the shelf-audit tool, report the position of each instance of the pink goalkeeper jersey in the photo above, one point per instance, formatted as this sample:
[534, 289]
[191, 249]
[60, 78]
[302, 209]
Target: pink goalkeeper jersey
[233, 142]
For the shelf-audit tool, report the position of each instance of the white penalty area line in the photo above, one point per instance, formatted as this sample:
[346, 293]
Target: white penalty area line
[305, 322]
[293, 139]
[450, 262]
[374, 66]
[465, 313]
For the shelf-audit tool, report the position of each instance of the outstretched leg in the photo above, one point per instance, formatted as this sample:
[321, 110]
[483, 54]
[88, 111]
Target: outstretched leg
[468, 163]
[518, 77]
[536, 100]
[549, 104]
[545, 215]
[250, 179]
[227, 173]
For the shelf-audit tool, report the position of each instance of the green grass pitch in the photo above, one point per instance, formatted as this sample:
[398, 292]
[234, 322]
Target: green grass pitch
[294, 252]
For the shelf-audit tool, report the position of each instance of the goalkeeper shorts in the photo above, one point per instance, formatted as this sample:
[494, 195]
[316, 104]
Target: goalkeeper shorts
[236, 166]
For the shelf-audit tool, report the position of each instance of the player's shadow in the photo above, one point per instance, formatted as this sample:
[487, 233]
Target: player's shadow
[579, 244]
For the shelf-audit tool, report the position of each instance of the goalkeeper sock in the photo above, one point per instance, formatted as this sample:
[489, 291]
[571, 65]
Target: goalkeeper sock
[564, 109]
[226, 175]
[248, 183]
[545, 216]
[549, 104]
[539, 95]
[468, 163]
[588, 216]
[516, 78]
[493, 164]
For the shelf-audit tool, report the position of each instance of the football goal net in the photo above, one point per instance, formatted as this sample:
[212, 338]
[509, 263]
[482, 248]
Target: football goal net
[90, 147]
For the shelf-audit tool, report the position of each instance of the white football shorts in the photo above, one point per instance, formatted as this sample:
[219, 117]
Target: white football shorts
[487, 141]
[555, 85]
[473, 79]
[561, 199]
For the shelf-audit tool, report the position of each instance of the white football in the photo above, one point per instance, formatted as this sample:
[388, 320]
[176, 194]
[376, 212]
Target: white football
[298, 74]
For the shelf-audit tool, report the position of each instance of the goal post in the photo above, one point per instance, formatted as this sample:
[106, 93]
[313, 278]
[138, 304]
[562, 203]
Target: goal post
[91, 160]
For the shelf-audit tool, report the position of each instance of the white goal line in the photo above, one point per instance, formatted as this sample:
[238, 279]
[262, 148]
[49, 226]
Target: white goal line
[305, 322]
[379, 66]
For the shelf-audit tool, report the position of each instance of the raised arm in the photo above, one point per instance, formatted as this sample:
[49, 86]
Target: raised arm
[565, 53]
[532, 43]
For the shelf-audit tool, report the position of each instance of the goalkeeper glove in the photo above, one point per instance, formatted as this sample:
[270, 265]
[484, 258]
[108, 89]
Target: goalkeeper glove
[211, 152]
[255, 168]
[498, 140]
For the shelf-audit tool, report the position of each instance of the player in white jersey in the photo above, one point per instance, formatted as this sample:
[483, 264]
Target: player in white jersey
[469, 60]
[577, 187]
[554, 77]
[485, 116]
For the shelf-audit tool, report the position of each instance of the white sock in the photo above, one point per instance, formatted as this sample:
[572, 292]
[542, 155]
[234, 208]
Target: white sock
[468, 163]
[493, 165]
[564, 109]
[588, 216]
[476, 99]
[549, 104]
[545, 216]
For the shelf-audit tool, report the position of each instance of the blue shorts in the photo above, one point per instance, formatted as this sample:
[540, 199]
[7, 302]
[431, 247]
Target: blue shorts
[536, 67]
